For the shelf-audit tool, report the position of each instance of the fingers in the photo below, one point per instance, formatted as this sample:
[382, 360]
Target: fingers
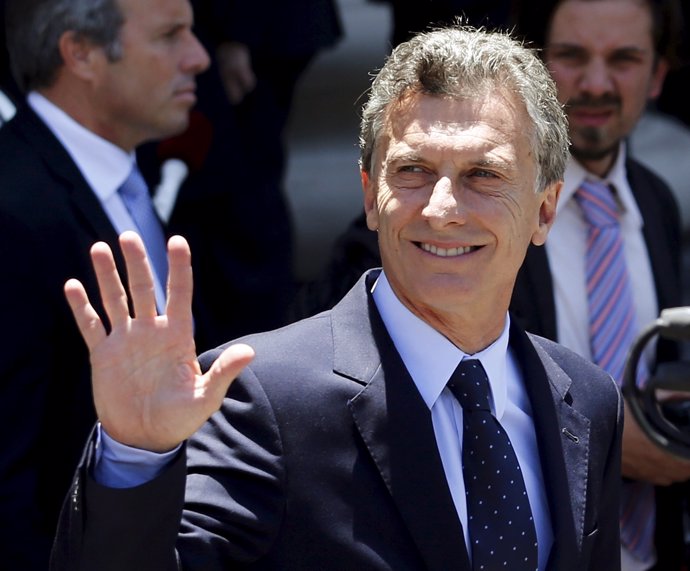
[644, 460]
[110, 286]
[226, 367]
[140, 282]
[139, 275]
[180, 280]
[88, 321]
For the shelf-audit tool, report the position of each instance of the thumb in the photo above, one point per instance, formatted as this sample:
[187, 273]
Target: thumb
[227, 366]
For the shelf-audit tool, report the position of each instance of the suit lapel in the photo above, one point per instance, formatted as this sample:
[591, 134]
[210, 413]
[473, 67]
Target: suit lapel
[396, 427]
[563, 439]
[28, 126]
[58, 161]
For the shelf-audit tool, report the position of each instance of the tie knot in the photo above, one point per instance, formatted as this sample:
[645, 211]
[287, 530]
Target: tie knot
[597, 203]
[134, 186]
[470, 385]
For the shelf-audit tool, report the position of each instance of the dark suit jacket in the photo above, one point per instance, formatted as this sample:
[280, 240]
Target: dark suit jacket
[323, 456]
[533, 304]
[49, 218]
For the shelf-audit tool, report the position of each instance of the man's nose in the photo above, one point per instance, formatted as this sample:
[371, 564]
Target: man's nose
[596, 78]
[444, 206]
[196, 58]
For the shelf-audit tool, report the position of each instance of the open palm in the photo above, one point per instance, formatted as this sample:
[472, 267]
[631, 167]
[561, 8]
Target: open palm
[148, 388]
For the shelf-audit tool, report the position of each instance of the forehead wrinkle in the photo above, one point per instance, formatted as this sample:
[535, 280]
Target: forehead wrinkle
[493, 148]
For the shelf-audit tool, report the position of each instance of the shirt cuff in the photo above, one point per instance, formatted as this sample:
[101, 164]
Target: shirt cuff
[121, 466]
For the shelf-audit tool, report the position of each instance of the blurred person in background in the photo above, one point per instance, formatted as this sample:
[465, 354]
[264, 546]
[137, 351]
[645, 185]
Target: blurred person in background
[99, 78]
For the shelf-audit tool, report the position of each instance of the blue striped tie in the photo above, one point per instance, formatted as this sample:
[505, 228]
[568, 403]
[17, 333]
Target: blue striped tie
[135, 195]
[612, 330]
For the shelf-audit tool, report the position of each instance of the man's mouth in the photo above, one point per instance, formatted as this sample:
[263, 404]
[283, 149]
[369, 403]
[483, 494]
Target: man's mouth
[595, 111]
[591, 118]
[186, 90]
[606, 102]
[446, 252]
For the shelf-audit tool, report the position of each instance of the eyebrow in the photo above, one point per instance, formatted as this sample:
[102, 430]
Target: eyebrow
[494, 163]
[481, 163]
[407, 157]
[578, 47]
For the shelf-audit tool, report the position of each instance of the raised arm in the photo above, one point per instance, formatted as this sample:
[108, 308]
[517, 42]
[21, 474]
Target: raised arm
[148, 388]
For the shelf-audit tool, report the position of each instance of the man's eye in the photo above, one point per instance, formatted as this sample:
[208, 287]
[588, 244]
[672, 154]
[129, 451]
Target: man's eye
[569, 57]
[172, 34]
[411, 169]
[624, 59]
[411, 176]
[480, 173]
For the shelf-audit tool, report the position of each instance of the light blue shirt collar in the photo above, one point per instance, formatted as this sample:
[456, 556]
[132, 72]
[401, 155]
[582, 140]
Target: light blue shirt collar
[430, 357]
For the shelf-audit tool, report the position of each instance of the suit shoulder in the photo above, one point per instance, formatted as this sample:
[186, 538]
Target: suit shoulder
[584, 385]
[643, 179]
[295, 343]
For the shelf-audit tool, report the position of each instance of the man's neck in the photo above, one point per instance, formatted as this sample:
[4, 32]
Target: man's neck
[79, 108]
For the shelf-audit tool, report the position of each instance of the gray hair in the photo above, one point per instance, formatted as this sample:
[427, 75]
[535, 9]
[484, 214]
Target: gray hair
[465, 63]
[34, 28]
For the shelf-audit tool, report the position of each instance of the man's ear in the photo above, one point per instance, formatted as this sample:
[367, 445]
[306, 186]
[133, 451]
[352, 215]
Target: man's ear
[658, 77]
[370, 205]
[547, 212]
[80, 56]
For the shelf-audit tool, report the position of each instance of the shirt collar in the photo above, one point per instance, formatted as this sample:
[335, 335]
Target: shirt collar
[617, 177]
[104, 166]
[430, 357]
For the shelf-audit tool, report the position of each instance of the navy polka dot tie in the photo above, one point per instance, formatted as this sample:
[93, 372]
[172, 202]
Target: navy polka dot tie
[501, 527]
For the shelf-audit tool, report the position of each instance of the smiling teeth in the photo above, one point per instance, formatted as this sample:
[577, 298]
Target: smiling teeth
[446, 252]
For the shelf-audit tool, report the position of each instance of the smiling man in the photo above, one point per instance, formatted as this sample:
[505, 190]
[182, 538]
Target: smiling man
[453, 211]
[608, 59]
[361, 438]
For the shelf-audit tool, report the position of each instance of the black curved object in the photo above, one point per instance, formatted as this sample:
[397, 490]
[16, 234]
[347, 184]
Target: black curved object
[666, 422]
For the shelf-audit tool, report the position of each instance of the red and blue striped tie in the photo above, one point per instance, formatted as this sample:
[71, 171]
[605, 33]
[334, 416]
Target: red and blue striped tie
[612, 330]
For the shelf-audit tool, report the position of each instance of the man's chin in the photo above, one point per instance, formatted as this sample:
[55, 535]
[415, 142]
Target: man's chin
[174, 125]
[588, 153]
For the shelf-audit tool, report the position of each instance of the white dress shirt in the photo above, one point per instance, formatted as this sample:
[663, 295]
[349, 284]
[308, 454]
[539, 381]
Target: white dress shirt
[566, 248]
[431, 358]
[103, 165]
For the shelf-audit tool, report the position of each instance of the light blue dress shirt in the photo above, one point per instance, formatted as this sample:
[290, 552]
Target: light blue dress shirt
[431, 358]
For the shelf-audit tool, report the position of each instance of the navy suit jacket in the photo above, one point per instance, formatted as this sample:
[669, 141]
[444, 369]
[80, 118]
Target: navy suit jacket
[533, 304]
[49, 218]
[323, 456]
